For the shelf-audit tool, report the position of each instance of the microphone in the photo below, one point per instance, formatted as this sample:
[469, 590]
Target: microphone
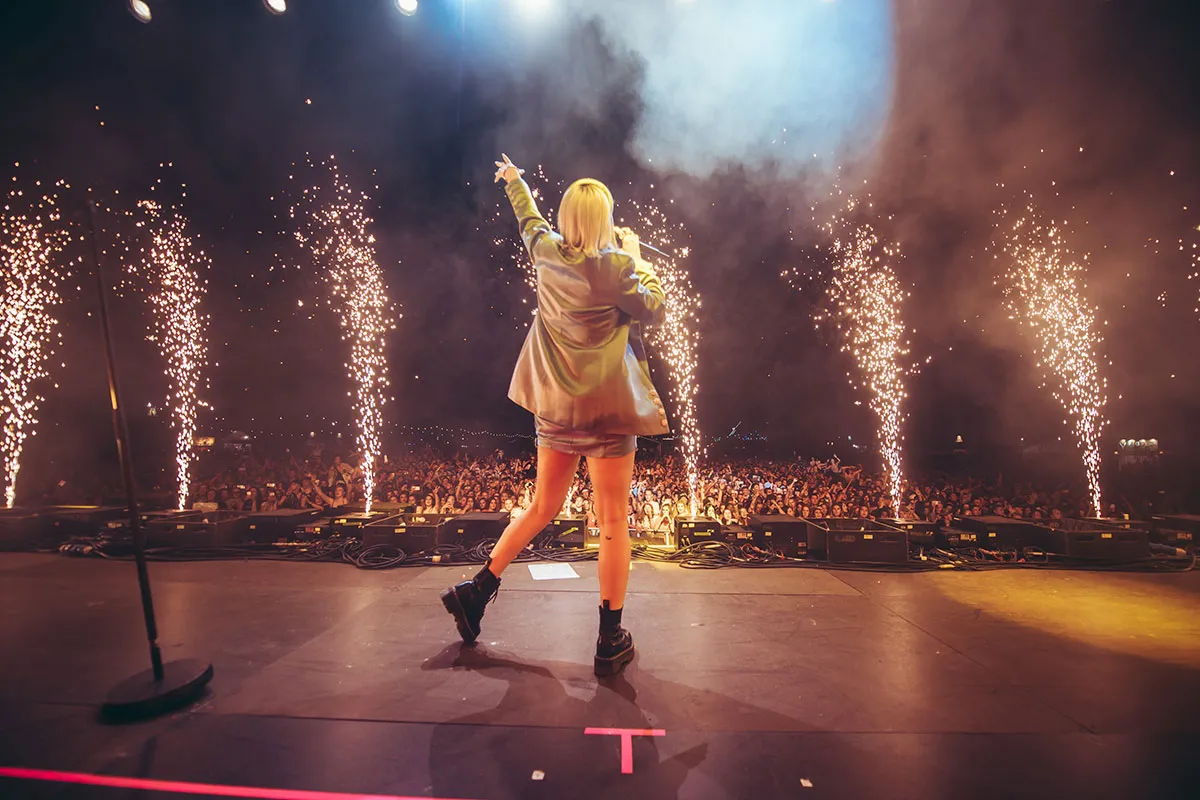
[620, 232]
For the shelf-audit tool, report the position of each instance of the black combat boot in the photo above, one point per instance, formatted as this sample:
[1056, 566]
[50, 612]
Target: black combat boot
[467, 601]
[614, 646]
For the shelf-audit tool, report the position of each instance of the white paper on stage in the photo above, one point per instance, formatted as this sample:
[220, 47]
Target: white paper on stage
[552, 572]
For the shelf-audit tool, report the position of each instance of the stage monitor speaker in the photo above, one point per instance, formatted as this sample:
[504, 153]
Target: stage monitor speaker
[1003, 533]
[396, 531]
[864, 541]
[193, 529]
[312, 530]
[471, 529]
[569, 533]
[787, 535]
[1176, 530]
[696, 530]
[423, 527]
[69, 521]
[1094, 539]
[957, 539]
[737, 536]
[920, 532]
[351, 523]
[22, 529]
[390, 509]
[662, 539]
[268, 527]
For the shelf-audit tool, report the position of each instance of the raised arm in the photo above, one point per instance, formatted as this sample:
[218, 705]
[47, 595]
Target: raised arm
[535, 231]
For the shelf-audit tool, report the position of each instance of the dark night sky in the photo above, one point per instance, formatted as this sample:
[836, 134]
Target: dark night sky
[981, 93]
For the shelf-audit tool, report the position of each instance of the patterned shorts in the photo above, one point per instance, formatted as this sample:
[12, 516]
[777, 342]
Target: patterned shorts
[583, 443]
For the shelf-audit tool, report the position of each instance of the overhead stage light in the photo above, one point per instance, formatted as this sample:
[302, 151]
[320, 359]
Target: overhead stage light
[276, 7]
[140, 9]
[407, 7]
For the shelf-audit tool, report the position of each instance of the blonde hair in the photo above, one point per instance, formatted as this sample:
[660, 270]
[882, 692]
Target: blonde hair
[585, 217]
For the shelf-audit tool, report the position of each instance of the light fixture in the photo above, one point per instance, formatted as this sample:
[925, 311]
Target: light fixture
[140, 9]
[276, 7]
[407, 7]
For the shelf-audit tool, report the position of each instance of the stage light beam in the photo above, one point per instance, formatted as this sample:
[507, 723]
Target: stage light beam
[407, 7]
[276, 7]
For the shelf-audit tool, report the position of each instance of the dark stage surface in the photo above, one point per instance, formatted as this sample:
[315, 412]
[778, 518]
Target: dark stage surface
[764, 683]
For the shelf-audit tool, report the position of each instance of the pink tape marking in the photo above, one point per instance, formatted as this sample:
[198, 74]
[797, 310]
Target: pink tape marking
[626, 735]
[183, 787]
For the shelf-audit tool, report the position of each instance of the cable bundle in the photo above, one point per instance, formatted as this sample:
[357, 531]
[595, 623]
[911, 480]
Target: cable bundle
[702, 555]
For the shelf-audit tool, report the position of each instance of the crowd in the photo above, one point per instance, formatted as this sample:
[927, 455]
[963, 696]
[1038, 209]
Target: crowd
[729, 491]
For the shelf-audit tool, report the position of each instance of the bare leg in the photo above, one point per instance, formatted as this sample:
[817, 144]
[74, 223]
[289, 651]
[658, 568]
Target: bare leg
[610, 483]
[555, 471]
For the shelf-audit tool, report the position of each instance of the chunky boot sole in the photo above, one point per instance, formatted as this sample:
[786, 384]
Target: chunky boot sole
[454, 606]
[608, 667]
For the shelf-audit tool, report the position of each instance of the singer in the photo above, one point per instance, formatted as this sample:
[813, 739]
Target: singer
[582, 372]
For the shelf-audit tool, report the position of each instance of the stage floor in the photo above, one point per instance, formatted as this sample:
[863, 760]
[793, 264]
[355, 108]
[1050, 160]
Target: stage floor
[763, 684]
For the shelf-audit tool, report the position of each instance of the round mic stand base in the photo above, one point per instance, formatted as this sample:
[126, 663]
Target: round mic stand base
[142, 697]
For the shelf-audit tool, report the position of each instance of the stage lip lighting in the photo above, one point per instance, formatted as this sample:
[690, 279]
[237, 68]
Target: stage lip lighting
[407, 7]
[140, 10]
[276, 7]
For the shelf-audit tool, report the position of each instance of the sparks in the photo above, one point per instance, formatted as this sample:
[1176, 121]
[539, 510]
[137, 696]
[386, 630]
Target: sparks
[865, 305]
[1193, 248]
[1042, 292]
[169, 272]
[677, 340]
[31, 274]
[334, 228]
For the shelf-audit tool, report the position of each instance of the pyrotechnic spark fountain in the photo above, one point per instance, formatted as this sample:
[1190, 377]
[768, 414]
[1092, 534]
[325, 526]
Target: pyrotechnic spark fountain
[170, 269]
[31, 275]
[1043, 291]
[333, 227]
[677, 339]
[866, 301]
